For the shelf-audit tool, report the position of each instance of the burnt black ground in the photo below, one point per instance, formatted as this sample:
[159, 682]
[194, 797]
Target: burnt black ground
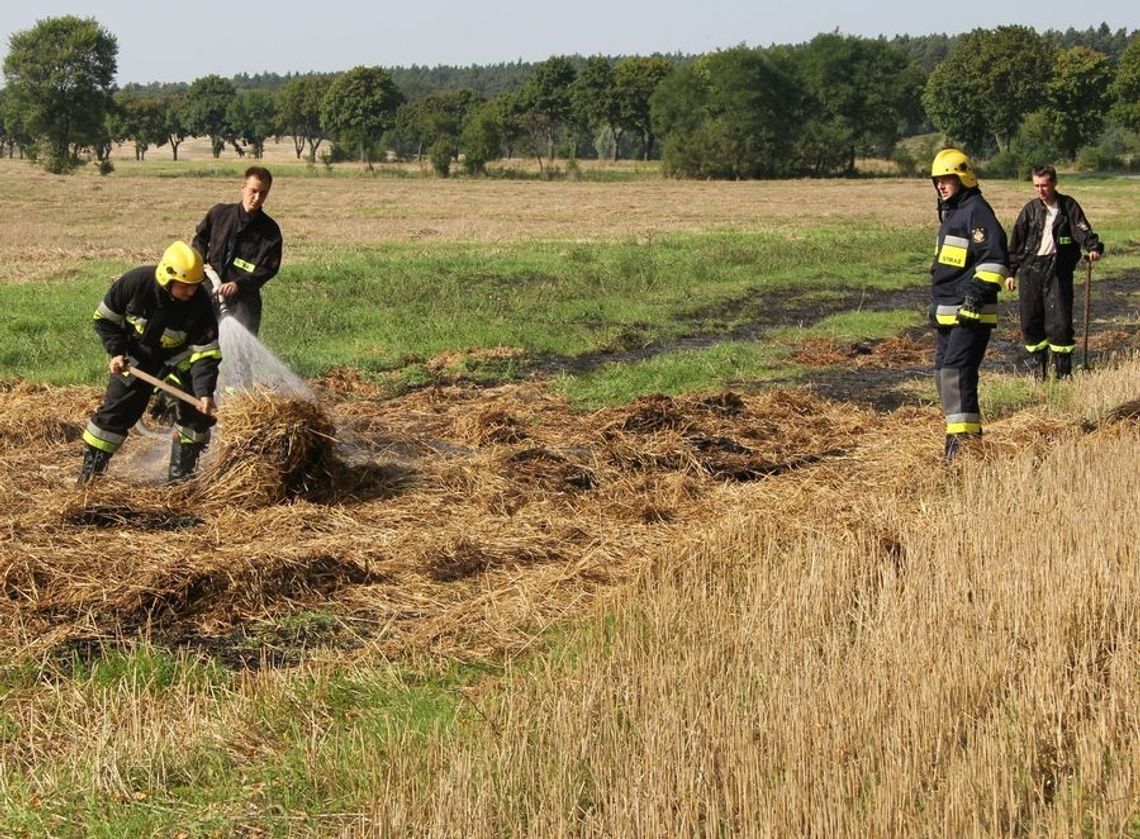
[1114, 327]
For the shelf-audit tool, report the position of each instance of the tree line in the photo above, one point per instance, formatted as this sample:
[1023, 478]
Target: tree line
[1010, 95]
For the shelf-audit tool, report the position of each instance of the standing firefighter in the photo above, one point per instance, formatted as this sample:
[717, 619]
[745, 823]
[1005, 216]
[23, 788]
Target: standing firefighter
[243, 244]
[1044, 250]
[159, 319]
[970, 263]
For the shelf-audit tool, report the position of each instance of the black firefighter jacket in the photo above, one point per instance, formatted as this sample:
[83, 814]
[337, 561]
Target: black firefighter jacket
[970, 258]
[242, 248]
[1071, 232]
[139, 319]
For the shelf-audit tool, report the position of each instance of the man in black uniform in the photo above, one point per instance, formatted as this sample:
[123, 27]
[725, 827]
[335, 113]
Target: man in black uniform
[1044, 249]
[158, 319]
[970, 263]
[243, 245]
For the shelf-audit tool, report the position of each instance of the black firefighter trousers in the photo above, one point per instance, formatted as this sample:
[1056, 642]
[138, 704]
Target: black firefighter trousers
[124, 403]
[1045, 301]
[958, 354]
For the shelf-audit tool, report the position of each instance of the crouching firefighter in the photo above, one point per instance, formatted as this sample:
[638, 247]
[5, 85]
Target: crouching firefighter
[971, 261]
[160, 320]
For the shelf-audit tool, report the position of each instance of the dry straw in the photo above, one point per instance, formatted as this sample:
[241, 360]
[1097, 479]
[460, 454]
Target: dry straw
[454, 521]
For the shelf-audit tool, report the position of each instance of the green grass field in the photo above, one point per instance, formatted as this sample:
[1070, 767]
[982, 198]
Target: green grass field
[868, 645]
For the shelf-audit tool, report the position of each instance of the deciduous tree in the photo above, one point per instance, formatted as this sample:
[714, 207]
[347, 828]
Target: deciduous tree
[481, 139]
[592, 95]
[988, 83]
[1077, 98]
[1125, 87]
[863, 92]
[359, 107]
[299, 112]
[138, 120]
[252, 117]
[60, 82]
[174, 121]
[204, 110]
[635, 80]
[730, 114]
[546, 105]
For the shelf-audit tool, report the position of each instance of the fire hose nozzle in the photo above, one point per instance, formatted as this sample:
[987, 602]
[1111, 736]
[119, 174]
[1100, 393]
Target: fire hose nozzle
[215, 284]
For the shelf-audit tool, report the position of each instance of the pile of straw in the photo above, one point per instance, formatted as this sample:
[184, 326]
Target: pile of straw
[271, 449]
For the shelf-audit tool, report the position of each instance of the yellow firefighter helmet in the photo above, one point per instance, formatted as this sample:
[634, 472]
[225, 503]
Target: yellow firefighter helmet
[180, 262]
[954, 162]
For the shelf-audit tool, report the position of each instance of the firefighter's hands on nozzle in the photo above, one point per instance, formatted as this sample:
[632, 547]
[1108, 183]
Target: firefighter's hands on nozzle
[222, 290]
[118, 364]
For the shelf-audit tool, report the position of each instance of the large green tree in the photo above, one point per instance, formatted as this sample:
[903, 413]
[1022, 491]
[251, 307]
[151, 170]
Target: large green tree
[1077, 98]
[60, 83]
[299, 112]
[204, 110]
[174, 121]
[481, 138]
[437, 116]
[1125, 87]
[636, 79]
[592, 97]
[730, 114]
[138, 120]
[252, 117]
[988, 83]
[862, 92]
[546, 104]
[359, 107]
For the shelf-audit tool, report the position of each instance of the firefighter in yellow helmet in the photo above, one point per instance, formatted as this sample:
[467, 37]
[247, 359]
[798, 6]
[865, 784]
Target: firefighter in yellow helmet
[159, 319]
[971, 261]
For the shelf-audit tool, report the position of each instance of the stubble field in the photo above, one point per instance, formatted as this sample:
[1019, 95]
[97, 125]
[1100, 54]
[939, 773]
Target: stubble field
[754, 611]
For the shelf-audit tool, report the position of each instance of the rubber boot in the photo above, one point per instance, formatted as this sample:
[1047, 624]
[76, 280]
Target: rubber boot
[958, 443]
[183, 459]
[952, 446]
[1063, 364]
[1039, 364]
[94, 463]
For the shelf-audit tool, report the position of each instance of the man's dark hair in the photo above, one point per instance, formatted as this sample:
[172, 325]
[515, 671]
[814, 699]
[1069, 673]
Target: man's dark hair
[261, 173]
[1045, 171]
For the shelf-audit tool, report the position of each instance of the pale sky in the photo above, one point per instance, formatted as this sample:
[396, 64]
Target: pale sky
[165, 42]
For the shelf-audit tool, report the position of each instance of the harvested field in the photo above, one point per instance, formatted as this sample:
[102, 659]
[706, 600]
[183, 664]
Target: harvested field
[454, 521]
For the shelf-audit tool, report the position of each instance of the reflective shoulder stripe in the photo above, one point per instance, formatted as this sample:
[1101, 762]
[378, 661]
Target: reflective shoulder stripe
[957, 241]
[103, 312]
[179, 359]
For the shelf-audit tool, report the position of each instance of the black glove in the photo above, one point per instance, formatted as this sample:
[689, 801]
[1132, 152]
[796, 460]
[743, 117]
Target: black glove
[970, 312]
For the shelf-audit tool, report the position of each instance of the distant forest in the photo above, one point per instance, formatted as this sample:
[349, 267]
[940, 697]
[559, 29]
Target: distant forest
[490, 80]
